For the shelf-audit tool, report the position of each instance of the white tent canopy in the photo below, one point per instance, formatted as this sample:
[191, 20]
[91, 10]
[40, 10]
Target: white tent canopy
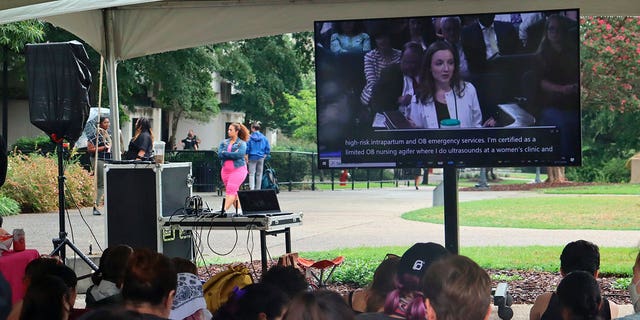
[123, 29]
[142, 27]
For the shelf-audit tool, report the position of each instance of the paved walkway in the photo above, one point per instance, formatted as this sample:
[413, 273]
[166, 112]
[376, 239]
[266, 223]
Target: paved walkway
[334, 219]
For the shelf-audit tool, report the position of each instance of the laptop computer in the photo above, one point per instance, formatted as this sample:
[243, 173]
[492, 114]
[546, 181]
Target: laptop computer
[396, 120]
[260, 203]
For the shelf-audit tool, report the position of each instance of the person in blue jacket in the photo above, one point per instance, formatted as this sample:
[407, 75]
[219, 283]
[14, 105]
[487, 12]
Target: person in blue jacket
[232, 153]
[257, 150]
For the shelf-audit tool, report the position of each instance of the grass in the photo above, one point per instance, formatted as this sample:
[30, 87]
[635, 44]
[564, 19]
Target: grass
[465, 183]
[523, 175]
[620, 189]
[361, 262]
[566, 212]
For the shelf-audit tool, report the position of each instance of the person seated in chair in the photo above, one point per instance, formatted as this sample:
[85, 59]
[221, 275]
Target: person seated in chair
[407, 300]
[579, 296]
[634, 289]
[399, 81]
[486, 39]
[107, 281]
[371, 298]
[456, 288]
[150, 282]
[579, 255]
[377, 59]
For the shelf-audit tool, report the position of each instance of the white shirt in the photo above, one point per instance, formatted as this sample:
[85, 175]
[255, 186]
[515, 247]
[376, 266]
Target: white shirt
[465, 108]
[490, 40]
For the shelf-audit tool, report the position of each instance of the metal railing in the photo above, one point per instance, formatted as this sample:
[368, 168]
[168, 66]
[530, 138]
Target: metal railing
[294, 170]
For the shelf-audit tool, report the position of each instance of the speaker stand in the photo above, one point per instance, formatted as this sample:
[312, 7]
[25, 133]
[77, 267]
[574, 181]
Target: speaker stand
[62, 241]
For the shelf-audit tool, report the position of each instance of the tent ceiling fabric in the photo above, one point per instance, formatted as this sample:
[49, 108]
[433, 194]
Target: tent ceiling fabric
[142, 27]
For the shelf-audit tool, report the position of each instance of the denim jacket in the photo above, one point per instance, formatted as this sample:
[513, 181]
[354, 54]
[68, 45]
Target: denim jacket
[238, 150]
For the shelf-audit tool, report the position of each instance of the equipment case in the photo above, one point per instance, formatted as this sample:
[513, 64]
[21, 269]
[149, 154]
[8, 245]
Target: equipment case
[139, 197]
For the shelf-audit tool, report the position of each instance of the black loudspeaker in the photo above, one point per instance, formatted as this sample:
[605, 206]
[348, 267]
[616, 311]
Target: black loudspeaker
[58, 79]
[139, 197]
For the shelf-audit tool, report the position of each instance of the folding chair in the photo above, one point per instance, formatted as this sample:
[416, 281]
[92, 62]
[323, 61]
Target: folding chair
[317, 269]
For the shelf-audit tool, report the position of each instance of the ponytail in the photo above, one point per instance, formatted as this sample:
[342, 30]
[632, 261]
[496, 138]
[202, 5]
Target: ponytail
[416, 309]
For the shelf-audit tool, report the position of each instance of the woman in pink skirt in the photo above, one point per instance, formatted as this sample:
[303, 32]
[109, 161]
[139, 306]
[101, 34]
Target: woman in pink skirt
[232, 152]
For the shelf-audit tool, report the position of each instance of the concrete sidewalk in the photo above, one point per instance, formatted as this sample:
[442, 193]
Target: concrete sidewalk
[332, 219]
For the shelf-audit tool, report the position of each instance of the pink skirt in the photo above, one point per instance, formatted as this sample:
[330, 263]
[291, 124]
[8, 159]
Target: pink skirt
[232, 177]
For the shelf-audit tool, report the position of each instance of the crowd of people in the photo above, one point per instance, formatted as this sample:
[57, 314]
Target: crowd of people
[426, 283]
[462, 76]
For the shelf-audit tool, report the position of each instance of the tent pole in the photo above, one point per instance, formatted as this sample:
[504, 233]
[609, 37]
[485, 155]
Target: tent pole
[112, 82]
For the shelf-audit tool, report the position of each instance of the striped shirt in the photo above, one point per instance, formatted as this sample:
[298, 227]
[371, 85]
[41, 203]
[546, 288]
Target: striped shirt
[374, 62]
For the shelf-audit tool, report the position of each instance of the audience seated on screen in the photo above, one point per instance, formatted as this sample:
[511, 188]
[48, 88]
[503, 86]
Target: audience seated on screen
[528, 32]
[451, 27]
[456, 288]
[579, 255]
[107, 281]
[377, 59]
[150, 282]
[560, 88]
[318, 305]
[287, 278]
[323, 32]
[371, 298]
[421, 31]
[487, 38]
[579, 296]
[349, 37]
[398, 81]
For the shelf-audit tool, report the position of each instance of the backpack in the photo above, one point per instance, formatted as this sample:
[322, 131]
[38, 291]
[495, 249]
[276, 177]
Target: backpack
[219, 288]
[269, 179]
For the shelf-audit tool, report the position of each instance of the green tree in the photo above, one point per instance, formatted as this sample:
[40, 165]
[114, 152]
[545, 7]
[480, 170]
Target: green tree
[13, 37]
[56, 34]
[610, 55]
[303, 111]
[179, 82]
[262, 70]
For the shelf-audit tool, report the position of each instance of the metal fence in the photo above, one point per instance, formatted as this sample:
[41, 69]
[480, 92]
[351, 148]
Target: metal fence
[295, 170]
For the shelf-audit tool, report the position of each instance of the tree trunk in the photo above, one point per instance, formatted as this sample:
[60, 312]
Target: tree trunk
[555, 174]
[175, 118]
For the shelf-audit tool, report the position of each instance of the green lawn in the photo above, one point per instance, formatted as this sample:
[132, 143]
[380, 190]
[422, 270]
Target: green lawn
[627, 188]
[361, 262]
[552, 212]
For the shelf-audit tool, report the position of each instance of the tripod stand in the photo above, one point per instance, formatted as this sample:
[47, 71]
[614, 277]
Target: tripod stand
[62, 241]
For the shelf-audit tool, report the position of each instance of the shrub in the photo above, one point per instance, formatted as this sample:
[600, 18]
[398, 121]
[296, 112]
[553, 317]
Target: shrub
[358, 272]
[8, 206]
[32, 181]
[611, 170]
[40, 144]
